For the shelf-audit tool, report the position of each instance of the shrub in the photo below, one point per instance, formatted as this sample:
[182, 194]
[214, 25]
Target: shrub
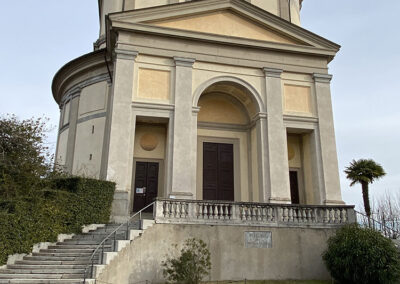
[357, 255]
[63, 207]
[191, 266]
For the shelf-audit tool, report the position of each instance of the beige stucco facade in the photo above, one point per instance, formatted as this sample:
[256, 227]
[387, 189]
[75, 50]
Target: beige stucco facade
[164, 80]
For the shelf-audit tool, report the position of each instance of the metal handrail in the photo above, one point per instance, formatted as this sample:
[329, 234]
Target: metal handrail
[101, 245]
[385, 230]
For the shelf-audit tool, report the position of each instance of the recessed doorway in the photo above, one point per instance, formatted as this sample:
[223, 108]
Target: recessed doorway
[146, 185]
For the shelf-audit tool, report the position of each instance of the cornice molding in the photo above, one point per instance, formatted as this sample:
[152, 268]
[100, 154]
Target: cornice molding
[75, 91]
[183, 61]
[322, 78]
[272, 72]
[125, 54]
[154, 106]
[73, 69]
[221, 39]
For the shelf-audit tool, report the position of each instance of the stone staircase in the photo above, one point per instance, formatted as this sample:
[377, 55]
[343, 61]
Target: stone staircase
[65, 262]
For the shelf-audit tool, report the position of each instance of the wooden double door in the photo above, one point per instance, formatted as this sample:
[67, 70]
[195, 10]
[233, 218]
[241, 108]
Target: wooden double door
[146, 185]
[218, 181]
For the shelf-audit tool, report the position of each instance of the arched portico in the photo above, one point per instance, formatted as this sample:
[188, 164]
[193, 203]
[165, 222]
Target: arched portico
[230, 148]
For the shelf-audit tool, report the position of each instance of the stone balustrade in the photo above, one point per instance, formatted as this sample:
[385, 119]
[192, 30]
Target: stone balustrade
[177, 211]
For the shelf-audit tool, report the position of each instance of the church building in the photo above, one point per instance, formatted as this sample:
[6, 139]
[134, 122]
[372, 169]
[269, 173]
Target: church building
[225, 100]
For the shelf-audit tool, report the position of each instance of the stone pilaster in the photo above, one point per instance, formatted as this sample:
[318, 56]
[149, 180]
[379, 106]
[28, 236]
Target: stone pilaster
[73, 120]
[121, 132]
[262, 157]
[278, 189]
[330, 190]
[184, 152]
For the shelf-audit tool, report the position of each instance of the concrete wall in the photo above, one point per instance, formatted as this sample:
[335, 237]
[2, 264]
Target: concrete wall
[295, 254]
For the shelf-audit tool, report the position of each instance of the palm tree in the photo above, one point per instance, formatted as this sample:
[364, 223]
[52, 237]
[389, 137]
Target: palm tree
[364, 171]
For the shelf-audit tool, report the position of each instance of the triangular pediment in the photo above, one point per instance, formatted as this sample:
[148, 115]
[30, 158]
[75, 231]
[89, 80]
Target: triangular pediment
[225, 23]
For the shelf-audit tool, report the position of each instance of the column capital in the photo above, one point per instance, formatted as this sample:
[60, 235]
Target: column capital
[272, 72]
[120, 53]
[183, 61]
[195, 110]
[322, 78]
[260, 115]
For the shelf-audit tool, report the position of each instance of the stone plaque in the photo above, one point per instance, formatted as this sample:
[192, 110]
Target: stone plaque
[259, 239]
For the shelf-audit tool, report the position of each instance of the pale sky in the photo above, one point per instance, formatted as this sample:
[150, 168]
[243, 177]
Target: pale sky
[39, 37]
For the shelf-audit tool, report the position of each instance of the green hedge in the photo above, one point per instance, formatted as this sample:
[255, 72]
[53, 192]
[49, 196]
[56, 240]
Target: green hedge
[63, 206]
[357, 255]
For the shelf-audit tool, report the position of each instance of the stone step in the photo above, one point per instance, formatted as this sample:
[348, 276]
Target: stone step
[69, 250]
[45, 281]
[62, 254]
[46, 266]
[97, 237]
[58, 258]
[77, 246]
[41, 276]
[81, 243]
[52, 262]
[43, 271]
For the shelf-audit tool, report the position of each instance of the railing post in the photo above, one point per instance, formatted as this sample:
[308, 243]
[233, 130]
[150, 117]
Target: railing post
[91, 270]
[127, 230]
[235, 212]
[115, 240]
[351, 216]
[102, 254]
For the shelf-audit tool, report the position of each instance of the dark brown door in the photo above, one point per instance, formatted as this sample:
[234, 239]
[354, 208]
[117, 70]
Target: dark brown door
[218, 171]
[146, 185]
[294, 187]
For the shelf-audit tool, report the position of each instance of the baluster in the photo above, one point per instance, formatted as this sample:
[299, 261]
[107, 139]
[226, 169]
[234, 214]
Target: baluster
[216, 211]
[260, 211]
[252, 213]
[331, 216]
[290, 214]
[269, 214]
[304, 214]
[168, 208]
[263, 213]
[284, 215]
[205, 211]
[201, 211]
[186, 206]
[326, 215]
[246, 213]
[300, 215]
[337, 215]
[296, 215]
[164, 209]
[177, 210]
[343, 216]
[212, 210]
[308, 215]
[279, 213]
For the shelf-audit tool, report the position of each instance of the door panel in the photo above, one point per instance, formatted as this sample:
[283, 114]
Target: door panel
[294, 187]
[146, 185]
[218, 171]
